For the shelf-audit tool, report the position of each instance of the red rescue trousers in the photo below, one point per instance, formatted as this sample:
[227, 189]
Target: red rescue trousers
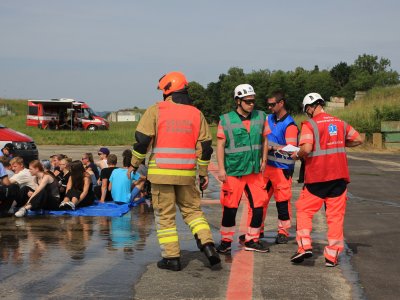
[306, 206]
[231, 193]
[281, 188]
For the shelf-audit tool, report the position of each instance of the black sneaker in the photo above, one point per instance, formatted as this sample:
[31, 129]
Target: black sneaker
[242, 237]
[329, 263]
[173, 264]
[281, 239]
[224, 247]
[255, 246]
[211, 254]
[299, 257]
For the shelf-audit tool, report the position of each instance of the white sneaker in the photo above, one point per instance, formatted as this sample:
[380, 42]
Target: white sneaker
[70, 205]
[11, 211]
[21, 212]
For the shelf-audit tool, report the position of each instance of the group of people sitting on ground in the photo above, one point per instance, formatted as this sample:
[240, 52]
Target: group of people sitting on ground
[65, 184]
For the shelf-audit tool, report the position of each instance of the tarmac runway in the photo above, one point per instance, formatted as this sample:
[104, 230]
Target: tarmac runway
[47, 257]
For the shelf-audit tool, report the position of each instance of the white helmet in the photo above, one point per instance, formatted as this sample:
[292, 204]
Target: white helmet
[310, 99]
[243, 90]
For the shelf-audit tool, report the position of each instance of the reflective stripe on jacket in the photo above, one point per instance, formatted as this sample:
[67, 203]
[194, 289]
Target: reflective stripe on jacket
[328, 160]
[242, 148]
[277, 139]
[178, 129]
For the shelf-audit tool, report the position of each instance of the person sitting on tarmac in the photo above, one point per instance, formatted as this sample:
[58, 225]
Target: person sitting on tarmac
[120, 184]
[7, 166]
[79, 188]
[22, 176]
[90, 166]
[64, 175]
[101, 191]
[103, 154]
[55, 163]
[5, 201]
[8, 150]
[46, 195]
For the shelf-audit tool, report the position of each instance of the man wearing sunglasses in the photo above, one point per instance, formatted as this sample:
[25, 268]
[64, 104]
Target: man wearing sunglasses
[323, 140]
[279, 170]
[239, 143]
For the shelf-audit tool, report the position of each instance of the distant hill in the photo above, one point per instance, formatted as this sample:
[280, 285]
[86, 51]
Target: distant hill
[102, 113]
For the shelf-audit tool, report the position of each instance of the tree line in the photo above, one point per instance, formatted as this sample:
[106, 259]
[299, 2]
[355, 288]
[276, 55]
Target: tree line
[342, 80]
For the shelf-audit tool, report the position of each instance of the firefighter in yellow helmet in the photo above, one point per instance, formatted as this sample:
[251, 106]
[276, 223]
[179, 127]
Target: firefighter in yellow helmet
[180, 142]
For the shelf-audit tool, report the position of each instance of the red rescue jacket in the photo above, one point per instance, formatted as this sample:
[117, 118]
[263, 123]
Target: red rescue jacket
[328, 160]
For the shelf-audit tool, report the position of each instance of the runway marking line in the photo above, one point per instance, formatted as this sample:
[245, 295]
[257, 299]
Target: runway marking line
[240, 284]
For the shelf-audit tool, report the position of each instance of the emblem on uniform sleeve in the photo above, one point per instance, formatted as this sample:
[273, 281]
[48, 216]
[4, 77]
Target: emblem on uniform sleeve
[332, 128]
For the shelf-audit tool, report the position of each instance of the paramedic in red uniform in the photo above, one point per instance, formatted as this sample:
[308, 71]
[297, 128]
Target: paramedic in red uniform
[322, 143]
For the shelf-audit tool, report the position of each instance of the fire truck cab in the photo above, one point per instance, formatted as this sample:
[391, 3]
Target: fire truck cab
[63, 114]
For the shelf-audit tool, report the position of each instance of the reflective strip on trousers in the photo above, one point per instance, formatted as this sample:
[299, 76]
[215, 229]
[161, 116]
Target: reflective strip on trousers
[284, 225]
[227, 232]
[169, 235]
[203, 162]
[336, 243]
[304, 238]
[252, 233]
[333, 249]
[333, 253]
[138, 155]
[198, 224]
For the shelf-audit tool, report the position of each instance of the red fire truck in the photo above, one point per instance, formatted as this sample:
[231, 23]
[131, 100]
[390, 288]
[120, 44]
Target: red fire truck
[63, 114]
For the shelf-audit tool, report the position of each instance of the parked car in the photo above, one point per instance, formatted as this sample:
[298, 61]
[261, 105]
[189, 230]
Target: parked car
[23, 145]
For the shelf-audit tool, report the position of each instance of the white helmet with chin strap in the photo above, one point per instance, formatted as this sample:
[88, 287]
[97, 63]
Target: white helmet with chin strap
[243, 90]
[311, 98]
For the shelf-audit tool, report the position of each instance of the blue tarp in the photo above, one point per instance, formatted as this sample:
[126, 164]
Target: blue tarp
[107, 209]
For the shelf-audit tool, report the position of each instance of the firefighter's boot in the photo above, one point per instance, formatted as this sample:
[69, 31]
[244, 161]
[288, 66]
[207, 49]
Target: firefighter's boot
[173, 264]
[211, 254]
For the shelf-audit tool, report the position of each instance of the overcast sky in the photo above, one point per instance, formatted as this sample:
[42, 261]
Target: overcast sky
[112, 53]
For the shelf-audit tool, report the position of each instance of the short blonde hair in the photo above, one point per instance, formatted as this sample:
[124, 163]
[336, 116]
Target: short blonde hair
[17, 160]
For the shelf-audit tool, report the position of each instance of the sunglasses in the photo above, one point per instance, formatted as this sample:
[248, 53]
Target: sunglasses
[100, 153]
[272, 104]
[249, 102]
[84, 158]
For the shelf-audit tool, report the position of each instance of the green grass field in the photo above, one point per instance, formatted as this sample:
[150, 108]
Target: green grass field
[365, 115]
[121, 133]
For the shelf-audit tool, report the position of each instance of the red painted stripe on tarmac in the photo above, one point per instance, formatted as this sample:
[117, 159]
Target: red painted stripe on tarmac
[240, 285]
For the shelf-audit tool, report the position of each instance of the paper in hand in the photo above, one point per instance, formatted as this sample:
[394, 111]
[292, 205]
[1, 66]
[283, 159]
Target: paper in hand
[290, 149]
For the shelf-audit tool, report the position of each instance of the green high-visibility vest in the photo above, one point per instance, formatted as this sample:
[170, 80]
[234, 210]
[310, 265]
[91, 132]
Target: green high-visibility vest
[243, 148]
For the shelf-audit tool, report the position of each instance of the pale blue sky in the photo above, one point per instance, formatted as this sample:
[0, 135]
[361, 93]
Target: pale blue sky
[112, 53]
